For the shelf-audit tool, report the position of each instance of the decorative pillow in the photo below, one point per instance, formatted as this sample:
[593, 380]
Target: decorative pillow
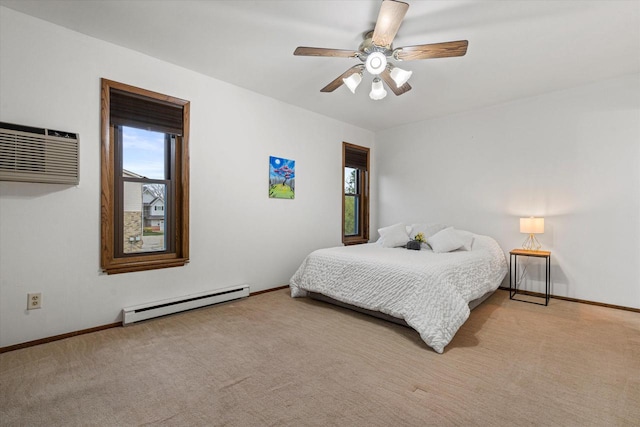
[446, 240]
[427, 230]
[467, 238]
[393, 236]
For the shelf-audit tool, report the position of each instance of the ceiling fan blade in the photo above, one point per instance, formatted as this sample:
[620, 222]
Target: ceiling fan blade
[435, 50]
[389, 19]
[338, 81]
[386, 76]
[321, 51]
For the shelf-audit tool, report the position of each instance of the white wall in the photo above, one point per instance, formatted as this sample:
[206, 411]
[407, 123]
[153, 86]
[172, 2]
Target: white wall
[572, 157]
[50, 77]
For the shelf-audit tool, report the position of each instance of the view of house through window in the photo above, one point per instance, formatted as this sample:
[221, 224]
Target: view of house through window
[145, 190]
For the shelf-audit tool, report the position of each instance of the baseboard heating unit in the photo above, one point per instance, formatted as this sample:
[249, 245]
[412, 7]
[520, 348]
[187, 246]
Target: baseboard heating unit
[141, 312]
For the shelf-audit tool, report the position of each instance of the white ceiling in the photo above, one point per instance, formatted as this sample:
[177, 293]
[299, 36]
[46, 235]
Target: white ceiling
[516, 48]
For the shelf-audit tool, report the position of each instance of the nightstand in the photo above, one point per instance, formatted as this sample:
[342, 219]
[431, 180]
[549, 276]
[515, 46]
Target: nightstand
[513, 273]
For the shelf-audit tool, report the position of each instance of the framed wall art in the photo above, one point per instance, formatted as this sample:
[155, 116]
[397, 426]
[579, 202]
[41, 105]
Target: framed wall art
[282, 178]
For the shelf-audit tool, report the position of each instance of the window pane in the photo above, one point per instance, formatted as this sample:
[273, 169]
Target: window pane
[143, 153]
[132, 219]
[351, 207]
[154, 217]
[144, 217]
[350, 180]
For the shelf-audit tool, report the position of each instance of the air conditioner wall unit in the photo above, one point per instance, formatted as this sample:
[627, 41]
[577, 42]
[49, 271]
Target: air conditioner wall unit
[30, 154]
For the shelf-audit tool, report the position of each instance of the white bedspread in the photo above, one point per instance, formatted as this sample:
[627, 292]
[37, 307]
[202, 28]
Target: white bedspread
[430, 291]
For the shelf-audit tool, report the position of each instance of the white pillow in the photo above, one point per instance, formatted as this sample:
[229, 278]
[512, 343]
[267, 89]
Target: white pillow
[467, 238]
[393, 235]
[427, 229]
[446, 240]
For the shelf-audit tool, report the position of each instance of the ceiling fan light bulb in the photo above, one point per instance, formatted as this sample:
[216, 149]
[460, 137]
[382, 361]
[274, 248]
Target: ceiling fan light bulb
[400, 76]
[353, 81]
[377, 90]
[376, 63]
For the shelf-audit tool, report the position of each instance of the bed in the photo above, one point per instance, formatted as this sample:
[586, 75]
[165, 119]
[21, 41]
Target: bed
[429, 289]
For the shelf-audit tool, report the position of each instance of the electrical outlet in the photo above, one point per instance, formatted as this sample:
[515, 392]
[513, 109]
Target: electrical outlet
[34, 301]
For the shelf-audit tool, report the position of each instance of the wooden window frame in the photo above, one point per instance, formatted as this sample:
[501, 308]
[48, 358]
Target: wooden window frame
[177, 251]
[363, 183]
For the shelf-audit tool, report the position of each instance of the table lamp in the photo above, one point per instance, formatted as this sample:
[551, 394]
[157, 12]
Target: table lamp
[531, 226]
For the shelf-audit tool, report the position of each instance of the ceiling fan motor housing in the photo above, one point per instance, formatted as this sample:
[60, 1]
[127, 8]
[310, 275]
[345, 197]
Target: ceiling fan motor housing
[374, 57]
[367, 46]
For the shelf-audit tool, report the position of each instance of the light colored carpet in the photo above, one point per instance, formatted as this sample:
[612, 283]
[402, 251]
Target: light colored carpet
[274, 360]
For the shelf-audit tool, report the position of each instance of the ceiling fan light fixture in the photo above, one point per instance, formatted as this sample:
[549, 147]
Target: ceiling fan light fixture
[400, 76]
[377, 90]
[376, 63]
[376, 50]
[353, 81]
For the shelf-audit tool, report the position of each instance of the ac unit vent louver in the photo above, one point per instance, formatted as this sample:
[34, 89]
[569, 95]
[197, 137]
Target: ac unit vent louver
[29, 154]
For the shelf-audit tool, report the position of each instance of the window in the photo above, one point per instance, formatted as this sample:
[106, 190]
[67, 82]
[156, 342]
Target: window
[355, 201]
[144, 179]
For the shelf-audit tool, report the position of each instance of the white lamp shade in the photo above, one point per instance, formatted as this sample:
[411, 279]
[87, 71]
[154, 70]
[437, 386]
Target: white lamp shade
[353, 81]
[377, 90]
[532, 225]
[376, 63]
[400, 76]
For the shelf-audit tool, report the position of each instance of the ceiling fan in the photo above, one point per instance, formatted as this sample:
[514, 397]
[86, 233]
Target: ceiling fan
[376, 50]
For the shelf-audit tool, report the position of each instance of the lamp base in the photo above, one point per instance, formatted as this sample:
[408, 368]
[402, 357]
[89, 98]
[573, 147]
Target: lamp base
[531, 243]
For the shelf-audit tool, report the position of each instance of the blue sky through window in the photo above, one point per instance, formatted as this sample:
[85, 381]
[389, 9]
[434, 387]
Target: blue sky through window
[143, 152]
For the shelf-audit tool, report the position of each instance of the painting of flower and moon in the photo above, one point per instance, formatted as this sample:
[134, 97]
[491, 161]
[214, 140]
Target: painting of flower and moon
[282, 178]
